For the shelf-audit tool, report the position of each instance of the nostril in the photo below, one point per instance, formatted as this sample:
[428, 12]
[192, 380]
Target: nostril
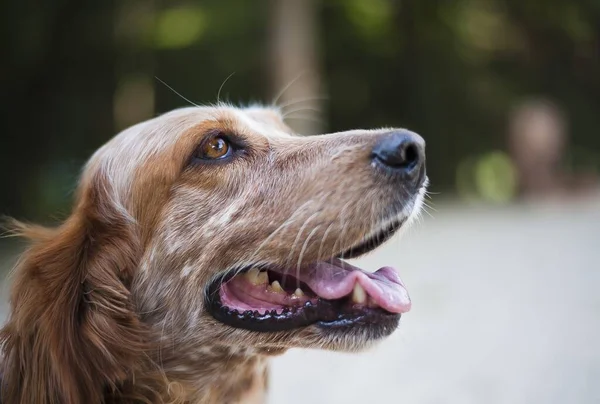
[410, 156]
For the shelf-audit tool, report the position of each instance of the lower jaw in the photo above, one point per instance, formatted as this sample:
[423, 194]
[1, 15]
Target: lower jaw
[360, 332]
[370, 319]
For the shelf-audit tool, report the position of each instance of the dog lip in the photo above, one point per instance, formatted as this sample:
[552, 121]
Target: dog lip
[328, 315]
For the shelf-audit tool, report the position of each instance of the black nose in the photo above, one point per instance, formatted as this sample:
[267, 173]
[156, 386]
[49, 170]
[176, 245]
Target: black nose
[402, 152]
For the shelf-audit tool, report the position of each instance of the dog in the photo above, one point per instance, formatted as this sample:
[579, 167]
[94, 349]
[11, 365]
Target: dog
[201, 243]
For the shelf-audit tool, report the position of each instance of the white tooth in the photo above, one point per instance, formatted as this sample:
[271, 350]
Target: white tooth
[299, 293]
[358, 294]
[256, 277]
[263, 277]
[252, 276]
[276, 287]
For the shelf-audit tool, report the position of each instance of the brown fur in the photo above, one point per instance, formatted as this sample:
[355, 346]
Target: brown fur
[72, 309]
[108, 307]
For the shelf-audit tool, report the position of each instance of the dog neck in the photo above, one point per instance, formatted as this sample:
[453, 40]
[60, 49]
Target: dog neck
[217, 374]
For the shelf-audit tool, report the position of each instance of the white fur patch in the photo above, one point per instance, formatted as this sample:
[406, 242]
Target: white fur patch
[187, 270]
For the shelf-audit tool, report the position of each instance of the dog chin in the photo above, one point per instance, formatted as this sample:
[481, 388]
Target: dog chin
[340, 340]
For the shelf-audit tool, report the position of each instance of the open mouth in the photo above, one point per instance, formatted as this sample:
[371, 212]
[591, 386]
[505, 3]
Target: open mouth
[329, 293]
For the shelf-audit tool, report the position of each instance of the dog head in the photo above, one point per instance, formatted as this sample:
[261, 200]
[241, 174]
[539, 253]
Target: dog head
[213, 225]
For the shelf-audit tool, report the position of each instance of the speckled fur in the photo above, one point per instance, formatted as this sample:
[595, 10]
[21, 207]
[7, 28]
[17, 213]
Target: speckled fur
[109, 306]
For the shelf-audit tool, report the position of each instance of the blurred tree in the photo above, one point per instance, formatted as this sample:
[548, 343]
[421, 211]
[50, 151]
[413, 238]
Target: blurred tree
[57, 78]
[295, 64]
[75, 72]
[135, 21]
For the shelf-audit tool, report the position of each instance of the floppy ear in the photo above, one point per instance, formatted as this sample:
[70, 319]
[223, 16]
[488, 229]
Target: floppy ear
[72, 335]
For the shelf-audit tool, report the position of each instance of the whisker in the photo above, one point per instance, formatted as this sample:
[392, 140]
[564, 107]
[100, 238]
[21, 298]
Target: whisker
[342, 220]
[340, 238]
[280, 94]
[426, 210]
[221, 87]
[324, 238]
[428, 206]
[302, 253]
[287, 264]
[289, 221]
[301, 100]
[172, 89]
[288, 113]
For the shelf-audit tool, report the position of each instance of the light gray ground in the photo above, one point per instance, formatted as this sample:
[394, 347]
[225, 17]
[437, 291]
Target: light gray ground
[506, 310]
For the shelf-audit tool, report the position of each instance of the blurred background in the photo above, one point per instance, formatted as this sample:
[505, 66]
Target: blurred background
[504, 269]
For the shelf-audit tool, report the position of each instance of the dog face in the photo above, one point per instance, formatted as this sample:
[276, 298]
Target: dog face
[244, 226]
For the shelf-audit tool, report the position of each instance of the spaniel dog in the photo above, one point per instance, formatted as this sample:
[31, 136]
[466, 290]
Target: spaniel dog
[201, 243]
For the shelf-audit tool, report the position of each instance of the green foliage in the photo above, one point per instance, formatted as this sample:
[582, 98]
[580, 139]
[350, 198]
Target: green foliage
[179, 27]
[450, 70]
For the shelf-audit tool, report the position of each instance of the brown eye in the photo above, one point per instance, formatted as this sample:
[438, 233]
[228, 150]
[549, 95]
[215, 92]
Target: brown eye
[215, 148]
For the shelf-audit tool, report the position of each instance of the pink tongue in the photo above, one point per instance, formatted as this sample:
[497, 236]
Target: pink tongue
[335, 279]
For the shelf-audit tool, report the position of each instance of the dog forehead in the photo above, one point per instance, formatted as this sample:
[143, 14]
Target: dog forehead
[263, 121]
[253, 120]
[158, 138]
[163, 132]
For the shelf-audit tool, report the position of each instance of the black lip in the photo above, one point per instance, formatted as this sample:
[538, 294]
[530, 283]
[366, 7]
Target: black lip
[328, 314]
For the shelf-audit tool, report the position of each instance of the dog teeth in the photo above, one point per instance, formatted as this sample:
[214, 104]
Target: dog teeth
[358, 294]
[252, 276]
[257, 277]
[298, 293]
[276, 287]
[263, 277]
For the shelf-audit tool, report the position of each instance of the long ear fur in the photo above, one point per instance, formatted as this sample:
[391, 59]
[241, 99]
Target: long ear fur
[72, 335]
